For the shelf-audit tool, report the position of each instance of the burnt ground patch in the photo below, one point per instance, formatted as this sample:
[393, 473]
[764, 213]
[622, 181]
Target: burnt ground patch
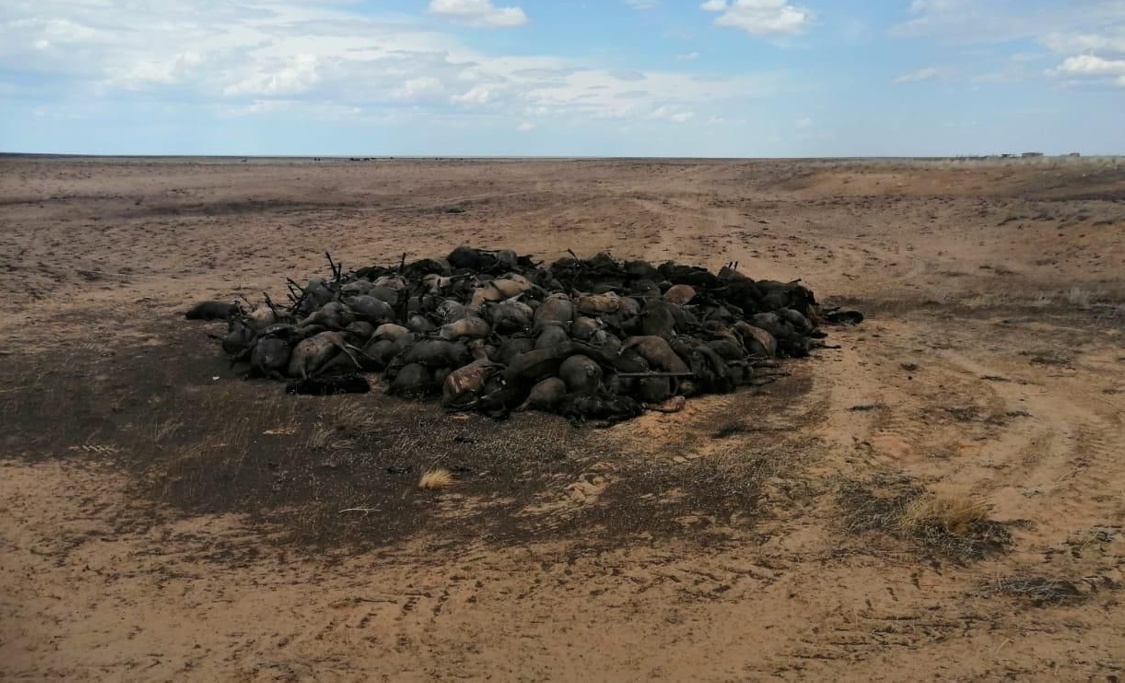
[196, 438]
[155, 209]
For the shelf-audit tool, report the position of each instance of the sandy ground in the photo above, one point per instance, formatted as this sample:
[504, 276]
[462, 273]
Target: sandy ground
[150, 530]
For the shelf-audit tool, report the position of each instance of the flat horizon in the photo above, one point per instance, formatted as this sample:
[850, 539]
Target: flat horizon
[1007, 156]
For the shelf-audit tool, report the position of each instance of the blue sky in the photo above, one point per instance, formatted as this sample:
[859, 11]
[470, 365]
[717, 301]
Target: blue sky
[753, 78]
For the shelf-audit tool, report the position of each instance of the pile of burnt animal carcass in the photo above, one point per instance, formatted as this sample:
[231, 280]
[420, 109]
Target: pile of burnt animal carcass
[596, 339]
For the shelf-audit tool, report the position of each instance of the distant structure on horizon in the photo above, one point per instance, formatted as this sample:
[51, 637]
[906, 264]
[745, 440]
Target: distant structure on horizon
[1012, 155]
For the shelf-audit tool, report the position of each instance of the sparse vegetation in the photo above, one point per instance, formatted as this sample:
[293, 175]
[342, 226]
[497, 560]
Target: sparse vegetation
[954, 526]
[330, 437]
[350, 415]
[165, 429]
[1040, 591]
[724, 510]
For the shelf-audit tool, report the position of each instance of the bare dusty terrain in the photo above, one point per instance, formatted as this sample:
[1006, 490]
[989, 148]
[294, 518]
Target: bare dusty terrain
[163, 519]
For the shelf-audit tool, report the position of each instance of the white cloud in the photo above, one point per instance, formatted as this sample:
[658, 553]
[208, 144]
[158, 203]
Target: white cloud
[769, 18]
[642, 4]
[688, 57]
[325, 60]
[920, 76]
[1111, 41]
[526, 127]
[999, 21]
[667, 113]
[1088, 35]
[803, 123]
[478, 13]
[478, 95]
[323, 112]
[1091, 69]
[603, 94]
[1089, 65]
[174, 68]
[284, 77]
[421, 88]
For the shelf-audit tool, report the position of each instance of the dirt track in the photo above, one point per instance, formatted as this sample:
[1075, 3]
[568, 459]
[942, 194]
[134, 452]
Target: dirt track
[157, 524]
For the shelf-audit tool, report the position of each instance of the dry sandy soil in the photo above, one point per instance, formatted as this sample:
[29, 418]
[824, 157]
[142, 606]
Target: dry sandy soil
[162, 519]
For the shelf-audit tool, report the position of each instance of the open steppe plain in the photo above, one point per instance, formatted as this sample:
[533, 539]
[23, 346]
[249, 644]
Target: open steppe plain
[163, 519]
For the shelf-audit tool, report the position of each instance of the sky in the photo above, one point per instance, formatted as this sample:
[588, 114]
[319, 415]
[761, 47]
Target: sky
[718, 78]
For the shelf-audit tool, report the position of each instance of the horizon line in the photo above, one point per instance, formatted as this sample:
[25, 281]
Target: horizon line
[1007, 156]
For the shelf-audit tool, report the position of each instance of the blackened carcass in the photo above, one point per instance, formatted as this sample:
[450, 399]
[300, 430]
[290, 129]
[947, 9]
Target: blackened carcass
[489, 331]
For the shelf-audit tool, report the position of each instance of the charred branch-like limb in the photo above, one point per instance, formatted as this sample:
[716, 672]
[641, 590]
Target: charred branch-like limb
[337, 270]
[270, 303]
[296, 291]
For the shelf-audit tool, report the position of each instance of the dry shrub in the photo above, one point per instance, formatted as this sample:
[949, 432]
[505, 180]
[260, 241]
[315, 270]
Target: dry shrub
[955, 526]
[436, 479]
[949, 514]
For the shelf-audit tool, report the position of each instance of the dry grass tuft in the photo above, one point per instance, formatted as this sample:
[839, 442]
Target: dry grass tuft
[166, 429]
[953, 526]
[186, 470]
[352, 416]
[322, 437]
[957, 515]
[437, 479]
[1040, 591]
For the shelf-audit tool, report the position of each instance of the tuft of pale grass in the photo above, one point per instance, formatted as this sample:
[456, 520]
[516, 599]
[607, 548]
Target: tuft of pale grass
[436, 479]
[352, 415]
[953, 514]
[166, 429]
[952, 525]
[322, 437]
[1082, 298]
